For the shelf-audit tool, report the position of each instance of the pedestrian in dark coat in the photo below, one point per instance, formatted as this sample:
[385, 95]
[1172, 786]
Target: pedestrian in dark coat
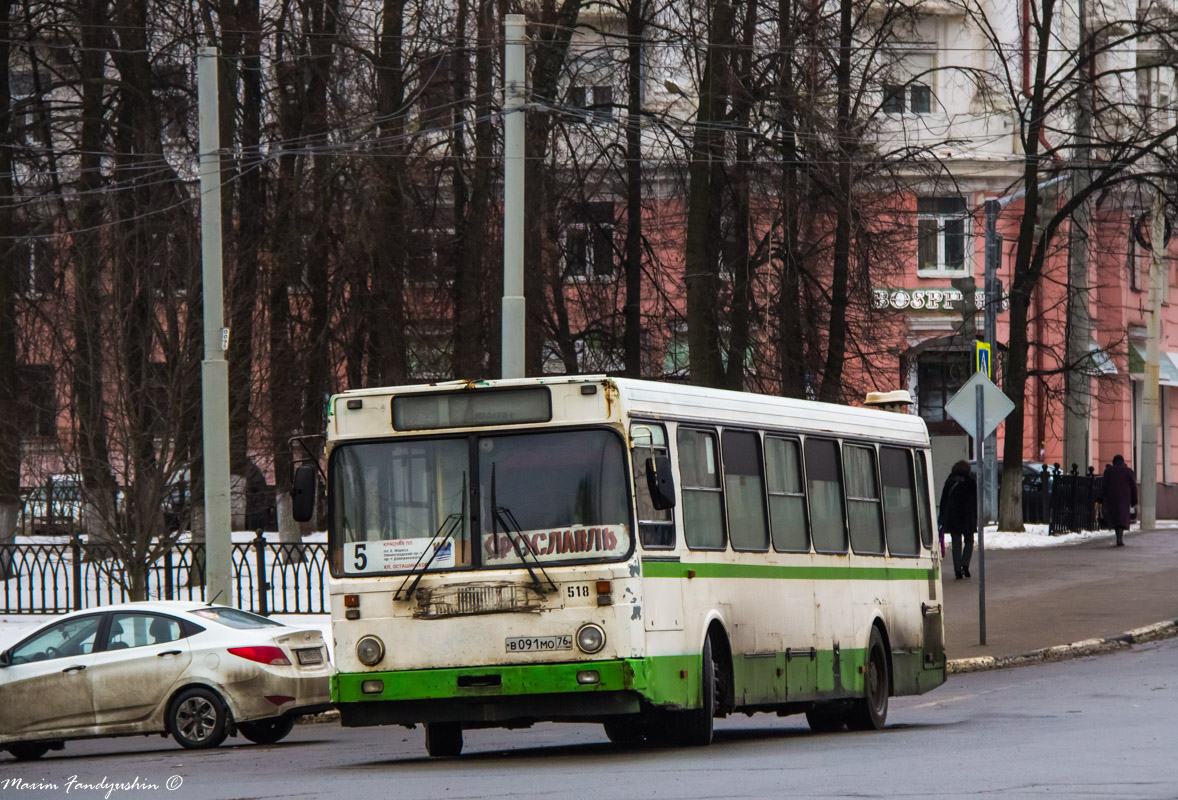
[958, 515]
[1118, 493]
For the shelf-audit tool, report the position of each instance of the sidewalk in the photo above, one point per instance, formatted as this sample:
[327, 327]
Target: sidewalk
[1040, 597]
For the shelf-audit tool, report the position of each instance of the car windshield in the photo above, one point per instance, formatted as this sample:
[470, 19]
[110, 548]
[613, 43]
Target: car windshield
[234, 618]
[551, 496]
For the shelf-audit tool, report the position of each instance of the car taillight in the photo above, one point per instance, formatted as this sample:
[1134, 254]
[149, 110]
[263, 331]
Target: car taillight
[273, 656]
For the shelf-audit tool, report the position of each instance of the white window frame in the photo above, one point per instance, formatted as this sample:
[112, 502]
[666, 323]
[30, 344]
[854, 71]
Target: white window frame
[941, 271]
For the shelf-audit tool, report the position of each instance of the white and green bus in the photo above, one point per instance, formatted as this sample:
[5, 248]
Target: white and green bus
[643, 555]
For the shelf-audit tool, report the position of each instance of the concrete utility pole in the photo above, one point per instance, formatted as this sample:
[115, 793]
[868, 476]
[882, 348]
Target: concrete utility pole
[214, 369]
[1077, 380]
[1147, 470]
[514, 96]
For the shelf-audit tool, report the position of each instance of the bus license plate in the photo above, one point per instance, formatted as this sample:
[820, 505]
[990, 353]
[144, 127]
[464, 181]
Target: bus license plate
[310, 656]
[536, 644]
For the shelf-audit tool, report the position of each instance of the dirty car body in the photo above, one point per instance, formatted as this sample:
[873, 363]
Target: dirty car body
[197, 672]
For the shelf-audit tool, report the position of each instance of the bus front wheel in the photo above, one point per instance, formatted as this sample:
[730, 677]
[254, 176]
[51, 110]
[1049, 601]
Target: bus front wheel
[694, 727]
[870, 712]
[443, 739]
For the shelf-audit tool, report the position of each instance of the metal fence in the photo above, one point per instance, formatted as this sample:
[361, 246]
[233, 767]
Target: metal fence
[1064, 501]
[268, 577]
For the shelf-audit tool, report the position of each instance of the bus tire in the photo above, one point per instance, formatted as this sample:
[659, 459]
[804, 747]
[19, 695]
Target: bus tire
[625, 731]
[694, 728]
[823, 720]
[266, 731]
[443, 739]
[870, 712]
[28, 751]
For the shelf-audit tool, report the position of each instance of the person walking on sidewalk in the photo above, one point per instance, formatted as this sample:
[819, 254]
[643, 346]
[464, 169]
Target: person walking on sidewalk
[1118, 493]
[958, 515]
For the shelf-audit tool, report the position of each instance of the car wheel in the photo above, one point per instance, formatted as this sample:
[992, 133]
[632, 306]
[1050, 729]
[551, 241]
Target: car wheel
[870, 712]
[28, 751]
[198, 718]
[443, 739]
[266, 731]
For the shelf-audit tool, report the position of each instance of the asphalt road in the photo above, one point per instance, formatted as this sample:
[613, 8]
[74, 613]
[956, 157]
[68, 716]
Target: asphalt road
[1100, 727]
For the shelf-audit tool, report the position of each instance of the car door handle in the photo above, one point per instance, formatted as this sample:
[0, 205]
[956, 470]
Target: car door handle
[169, 653]
[75, 668]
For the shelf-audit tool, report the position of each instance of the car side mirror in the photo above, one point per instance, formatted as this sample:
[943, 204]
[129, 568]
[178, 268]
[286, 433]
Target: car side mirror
[302, 492]
[660, 483]
[6, 658]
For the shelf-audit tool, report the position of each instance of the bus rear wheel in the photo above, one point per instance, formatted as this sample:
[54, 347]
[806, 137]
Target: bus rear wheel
[443, 739]
[870, 712]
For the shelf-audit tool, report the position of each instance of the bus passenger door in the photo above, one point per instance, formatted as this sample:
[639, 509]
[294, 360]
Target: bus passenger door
[662, 578]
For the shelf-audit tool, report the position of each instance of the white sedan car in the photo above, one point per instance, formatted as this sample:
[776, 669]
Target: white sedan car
[197, 672]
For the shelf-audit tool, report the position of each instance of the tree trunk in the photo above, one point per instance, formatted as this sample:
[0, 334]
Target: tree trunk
[10, 262]
[701, 267]
[790, 349]
[836, 352]
[632, 315]
[1028, 264]
[550, 37]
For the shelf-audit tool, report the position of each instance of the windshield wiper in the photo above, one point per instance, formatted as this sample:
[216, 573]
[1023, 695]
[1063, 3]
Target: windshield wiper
[451, 524]
[501, 515]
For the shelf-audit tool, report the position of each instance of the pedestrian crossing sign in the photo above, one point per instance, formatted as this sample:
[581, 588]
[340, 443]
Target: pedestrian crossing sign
[983, 360]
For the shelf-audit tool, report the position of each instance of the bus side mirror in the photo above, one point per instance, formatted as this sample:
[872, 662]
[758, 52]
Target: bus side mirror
[660, 483]
[302, 493]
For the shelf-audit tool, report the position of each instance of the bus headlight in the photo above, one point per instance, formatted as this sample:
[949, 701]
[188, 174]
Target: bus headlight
[370, 651]
[590, 638]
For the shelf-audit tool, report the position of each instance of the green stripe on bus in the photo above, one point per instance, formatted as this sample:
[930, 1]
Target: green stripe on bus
[675, 569]
[669, 681]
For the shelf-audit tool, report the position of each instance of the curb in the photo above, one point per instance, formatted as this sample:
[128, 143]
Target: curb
[1062, 652]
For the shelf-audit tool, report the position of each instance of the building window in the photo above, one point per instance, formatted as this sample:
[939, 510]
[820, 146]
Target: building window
[597, 100]
[916, 98]
[940, 376]
[431, 256]
[37, 398]
[36, 270]
[435, 104]
[588, 243]
[941, 234]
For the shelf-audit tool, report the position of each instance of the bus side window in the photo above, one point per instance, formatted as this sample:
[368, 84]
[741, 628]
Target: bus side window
[656, 528]
[703, 500]
[787, 498]
[899, 499]
[744, 491]
[863, 502]
[922, 501]
[824, 491]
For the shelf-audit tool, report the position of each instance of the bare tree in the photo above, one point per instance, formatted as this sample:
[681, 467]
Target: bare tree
[1128, 148]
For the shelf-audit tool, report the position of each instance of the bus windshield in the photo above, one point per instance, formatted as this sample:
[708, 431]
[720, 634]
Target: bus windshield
[558, 496]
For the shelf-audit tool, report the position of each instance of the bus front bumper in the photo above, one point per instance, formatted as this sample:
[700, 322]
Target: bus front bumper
[524, 693]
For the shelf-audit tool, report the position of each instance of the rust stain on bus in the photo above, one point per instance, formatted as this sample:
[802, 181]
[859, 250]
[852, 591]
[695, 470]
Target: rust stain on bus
[491, 597]
[610, 389]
